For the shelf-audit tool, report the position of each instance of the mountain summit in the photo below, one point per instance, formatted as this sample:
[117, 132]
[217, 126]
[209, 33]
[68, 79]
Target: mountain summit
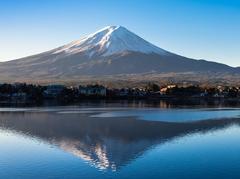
[108, 41]
[109, 53]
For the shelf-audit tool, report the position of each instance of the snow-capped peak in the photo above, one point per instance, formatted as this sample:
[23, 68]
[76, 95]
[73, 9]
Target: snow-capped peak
[108, 41]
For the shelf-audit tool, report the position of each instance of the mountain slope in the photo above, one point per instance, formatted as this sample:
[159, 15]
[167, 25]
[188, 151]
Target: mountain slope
[111, 51]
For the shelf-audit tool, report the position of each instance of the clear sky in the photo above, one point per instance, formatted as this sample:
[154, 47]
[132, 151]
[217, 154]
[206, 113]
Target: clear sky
[201, 29]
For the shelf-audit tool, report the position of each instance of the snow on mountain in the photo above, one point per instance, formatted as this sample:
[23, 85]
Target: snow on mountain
[108, 41]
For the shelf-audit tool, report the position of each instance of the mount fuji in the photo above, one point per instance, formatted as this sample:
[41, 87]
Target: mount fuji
[112, 51]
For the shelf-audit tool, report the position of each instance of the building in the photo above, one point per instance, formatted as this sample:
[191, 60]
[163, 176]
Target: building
[93, 90]
[53, 91]
[19, 96]
[165, 89]
[124, 92]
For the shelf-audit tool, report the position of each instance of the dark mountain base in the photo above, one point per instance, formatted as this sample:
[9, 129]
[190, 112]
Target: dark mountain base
[136, 80]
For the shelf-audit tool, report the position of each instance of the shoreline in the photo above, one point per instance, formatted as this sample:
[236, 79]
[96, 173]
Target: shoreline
[173, 101]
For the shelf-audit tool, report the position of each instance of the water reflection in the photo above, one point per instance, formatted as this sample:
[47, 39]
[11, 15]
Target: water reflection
[164, 104]
[104, 142]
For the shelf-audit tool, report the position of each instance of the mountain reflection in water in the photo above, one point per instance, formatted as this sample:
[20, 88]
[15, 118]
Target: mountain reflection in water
[106, 143]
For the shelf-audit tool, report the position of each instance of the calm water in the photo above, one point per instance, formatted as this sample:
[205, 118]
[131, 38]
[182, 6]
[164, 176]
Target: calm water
[119, 141]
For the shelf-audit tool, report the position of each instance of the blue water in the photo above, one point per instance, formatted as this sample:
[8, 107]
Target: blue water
[73, 142]
[174, 115]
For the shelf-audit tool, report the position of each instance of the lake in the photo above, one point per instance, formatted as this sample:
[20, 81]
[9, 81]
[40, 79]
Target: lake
[120, 140]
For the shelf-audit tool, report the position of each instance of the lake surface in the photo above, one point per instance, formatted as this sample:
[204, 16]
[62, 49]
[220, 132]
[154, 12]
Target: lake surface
[120, 141]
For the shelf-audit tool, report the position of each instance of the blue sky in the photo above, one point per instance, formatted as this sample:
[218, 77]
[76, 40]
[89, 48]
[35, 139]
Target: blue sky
[201, 29]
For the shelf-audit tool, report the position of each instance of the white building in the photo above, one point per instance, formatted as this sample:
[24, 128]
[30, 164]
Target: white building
[53, 91]
[94, 90]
